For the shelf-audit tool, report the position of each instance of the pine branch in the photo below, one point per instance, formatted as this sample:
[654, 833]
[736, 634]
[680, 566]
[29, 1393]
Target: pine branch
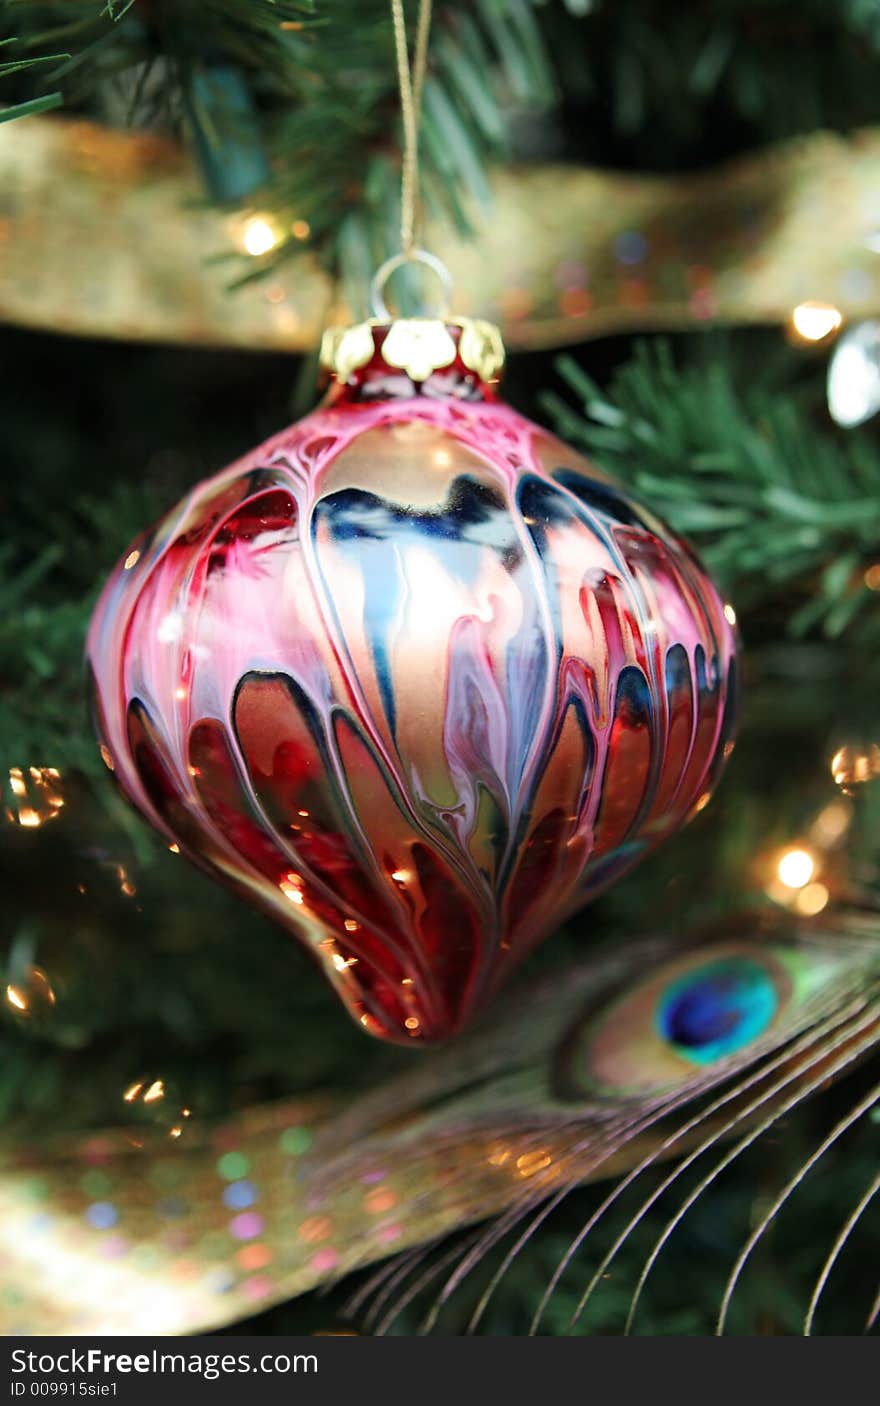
[667, 77]
[311, 89]
[778, 507]
[31, 105]
[47, 594]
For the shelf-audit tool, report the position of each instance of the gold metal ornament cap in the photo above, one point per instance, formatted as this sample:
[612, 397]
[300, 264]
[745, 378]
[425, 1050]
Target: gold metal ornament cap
[417, 346]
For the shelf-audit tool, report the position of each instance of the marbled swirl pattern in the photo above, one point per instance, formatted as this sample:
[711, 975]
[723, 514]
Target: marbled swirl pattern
[416, 679]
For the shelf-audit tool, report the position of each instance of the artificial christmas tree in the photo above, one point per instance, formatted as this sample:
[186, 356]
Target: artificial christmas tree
[168, 1061]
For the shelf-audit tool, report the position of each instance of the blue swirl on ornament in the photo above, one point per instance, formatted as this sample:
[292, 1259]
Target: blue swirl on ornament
[602, 498]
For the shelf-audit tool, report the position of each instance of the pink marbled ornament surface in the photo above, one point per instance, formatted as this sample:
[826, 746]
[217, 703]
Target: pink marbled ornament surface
[416, 679]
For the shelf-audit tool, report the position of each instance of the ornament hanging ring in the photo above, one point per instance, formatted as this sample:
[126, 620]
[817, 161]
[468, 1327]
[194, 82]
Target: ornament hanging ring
[397, 261]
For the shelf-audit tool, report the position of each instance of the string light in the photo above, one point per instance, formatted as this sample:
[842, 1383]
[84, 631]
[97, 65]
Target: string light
[812, 899]
[813, 321]
[256, 235]
[795, 868]
[794, 877]
[854, 765]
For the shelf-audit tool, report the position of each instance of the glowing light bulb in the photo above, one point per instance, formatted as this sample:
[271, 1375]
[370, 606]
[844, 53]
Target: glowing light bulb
[813, 321]
[812, 899]
[855, 765]
[796, 868]
[258, 236]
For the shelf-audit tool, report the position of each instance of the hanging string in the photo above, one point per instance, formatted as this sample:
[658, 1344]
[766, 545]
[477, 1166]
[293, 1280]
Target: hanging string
[411, 81]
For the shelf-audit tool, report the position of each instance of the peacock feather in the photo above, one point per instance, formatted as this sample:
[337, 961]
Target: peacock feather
[645, 1072]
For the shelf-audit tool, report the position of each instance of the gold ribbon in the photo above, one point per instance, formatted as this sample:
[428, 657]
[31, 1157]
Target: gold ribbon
[105, 233]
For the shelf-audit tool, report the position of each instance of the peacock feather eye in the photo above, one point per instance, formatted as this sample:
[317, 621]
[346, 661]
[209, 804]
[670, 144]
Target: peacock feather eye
[717, 1009]
[685, 1017]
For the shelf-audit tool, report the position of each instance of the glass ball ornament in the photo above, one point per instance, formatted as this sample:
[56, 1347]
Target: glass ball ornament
[413, 677]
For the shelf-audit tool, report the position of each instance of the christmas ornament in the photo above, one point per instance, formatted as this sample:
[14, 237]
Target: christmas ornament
[414, 677]
[593, 1076]
[854, 375]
